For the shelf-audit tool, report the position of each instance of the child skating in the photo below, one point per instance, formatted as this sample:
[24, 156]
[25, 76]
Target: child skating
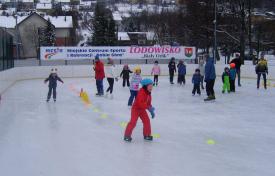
[226, 80]
[111, 77]
[156, 72]
[134, 86]
[232, 72]
[196, 80]
[52, 79]
[141, 104]
[125, 74]
[181, 72]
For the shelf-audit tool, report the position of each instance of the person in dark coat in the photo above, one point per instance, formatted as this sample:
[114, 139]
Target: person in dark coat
[210, 77]
[52, 79]
[181, 72]
[196, 80]
[125, 74]
[238, 63]
[172, 69]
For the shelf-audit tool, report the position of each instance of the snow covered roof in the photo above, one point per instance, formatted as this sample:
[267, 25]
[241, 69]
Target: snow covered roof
[27, 1]
[45, 1]
[117, 16]
[123, 36]
[63, 1]
[85, 3]
[58, 22]
[61, 21]
[43, 6]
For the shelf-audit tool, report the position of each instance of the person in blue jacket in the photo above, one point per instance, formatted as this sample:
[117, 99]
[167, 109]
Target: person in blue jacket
[210, 77]
[181, 72]
[232, 76]
[196, 80]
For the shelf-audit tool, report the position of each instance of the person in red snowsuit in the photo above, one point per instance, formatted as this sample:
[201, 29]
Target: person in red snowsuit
[141, 104]
[99, 75]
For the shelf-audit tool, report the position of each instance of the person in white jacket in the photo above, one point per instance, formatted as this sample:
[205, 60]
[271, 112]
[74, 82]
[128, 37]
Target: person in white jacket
[110, 72]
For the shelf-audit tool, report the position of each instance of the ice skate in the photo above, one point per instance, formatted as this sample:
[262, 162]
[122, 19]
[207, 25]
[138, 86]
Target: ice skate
[127, 139]
[148, 138]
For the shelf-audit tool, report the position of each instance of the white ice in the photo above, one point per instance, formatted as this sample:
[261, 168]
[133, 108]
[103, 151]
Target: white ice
[67, 138]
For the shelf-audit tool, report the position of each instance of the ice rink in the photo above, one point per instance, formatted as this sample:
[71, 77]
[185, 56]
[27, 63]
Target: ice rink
[233, 136]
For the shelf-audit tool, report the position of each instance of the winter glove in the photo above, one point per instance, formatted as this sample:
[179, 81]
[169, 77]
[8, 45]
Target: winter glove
[152, 111]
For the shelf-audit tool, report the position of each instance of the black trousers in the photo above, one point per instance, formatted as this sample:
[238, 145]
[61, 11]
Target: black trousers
[210, 87]
[181, 79]
[126, 80]
[171, 73]
[259, 78]
[232, 85]
[52, 89]
[111, 84]
[156, 78]
[196, 89]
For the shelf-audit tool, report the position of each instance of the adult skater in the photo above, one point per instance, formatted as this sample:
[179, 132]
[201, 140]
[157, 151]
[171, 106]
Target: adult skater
[238, 63]
[111, 76]
[202, 71]
[261, 69]
[52, 79]
[210, 76]
[172, 69]
[99, 75]
[142, 102]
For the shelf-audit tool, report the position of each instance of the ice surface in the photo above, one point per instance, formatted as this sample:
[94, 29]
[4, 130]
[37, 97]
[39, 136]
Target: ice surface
[233, 136]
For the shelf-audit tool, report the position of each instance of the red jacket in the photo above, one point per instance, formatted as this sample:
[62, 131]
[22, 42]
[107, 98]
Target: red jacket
[143, 100]
[99, 70]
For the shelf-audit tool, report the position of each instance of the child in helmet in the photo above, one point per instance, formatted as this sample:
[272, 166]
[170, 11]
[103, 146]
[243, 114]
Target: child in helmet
[142, 102]
[196, 80]
[226, 80]
[125, 74]
[156, 73]
[134, 85]
[232, 73]
[52, 79]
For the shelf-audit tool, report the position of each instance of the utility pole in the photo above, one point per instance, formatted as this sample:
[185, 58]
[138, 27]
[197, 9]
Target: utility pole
[249, 32]
[215, 31]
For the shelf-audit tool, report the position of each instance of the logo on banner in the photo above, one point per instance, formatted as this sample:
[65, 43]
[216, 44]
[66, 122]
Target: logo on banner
[51, 52]
[188, 52]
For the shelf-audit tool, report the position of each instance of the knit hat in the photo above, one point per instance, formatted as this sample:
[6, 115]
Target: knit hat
[97, 57]
[146, 82]
[232, 65]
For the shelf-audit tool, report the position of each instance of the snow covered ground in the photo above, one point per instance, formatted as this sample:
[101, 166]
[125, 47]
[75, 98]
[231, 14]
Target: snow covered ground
[233, 136]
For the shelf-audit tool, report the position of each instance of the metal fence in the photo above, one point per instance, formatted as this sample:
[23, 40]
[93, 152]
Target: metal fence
[6, 50]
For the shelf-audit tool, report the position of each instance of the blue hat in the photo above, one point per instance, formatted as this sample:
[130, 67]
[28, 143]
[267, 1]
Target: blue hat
[146, 82]
[97, 57]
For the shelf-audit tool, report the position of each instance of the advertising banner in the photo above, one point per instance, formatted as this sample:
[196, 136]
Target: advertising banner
[132, 52]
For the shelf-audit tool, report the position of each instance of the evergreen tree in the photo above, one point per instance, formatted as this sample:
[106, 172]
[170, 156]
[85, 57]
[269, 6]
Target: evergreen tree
[104, 28]
[47, 35]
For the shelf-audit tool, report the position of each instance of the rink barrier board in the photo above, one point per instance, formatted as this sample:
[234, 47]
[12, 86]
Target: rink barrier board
[9, 77]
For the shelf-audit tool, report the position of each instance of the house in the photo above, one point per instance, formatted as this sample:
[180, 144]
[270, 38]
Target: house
[136, 38]
[28, 27]
[43, 7]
